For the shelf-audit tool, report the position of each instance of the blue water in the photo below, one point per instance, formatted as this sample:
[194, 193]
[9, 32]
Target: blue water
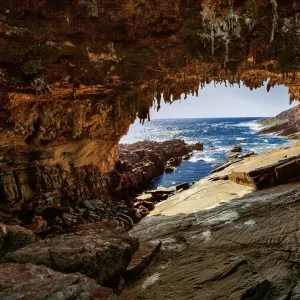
[222, 133]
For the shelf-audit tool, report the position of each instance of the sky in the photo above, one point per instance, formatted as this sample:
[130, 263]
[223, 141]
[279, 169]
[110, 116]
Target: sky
[228, 102]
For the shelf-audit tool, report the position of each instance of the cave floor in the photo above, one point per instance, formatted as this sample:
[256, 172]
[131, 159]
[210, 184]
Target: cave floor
[243, 249]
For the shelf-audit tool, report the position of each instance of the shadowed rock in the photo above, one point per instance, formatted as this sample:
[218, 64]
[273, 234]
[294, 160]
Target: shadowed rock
[93, 252]
[34, 282]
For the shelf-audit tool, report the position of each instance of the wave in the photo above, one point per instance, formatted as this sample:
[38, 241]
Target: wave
[240, 139]
[201, 156]
[253, 125]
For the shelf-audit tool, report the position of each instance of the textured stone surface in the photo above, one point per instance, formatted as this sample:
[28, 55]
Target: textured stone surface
[285, 124]
[38, 282]
[141, 259]
[93, 252]
[59, 144]
[14, 237]
[244, 249]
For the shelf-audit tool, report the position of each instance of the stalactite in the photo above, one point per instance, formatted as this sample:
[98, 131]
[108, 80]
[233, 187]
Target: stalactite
[275, 18]
[226, 43]
[212, 38]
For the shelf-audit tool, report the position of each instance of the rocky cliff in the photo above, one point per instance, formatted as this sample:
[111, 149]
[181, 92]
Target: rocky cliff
[286, 124]
[75, 74]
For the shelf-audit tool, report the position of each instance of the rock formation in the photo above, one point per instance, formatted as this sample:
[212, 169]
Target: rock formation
[74, 76]
[286, 124]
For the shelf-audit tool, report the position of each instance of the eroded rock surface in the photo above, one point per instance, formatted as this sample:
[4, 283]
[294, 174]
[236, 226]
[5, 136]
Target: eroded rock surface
[74, 75]
[286, 124]
[94, 252]
[34, 282]
[244, 249]
[14, 237]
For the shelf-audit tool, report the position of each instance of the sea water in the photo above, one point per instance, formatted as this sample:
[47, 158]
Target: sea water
[219, 135]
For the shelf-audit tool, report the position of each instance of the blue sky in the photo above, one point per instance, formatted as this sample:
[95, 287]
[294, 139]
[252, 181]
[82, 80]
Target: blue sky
[228, 102]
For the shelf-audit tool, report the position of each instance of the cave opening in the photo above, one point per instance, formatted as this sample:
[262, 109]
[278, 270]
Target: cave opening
[221, 116]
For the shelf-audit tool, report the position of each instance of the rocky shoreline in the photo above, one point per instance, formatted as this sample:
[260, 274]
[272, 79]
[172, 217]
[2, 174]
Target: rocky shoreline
[88, 241]
[100, 259]
[285, 124]
[138, 165]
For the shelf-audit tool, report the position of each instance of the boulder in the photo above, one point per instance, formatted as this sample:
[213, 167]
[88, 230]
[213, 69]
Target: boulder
[149, 205]
[174, 162]
[183, 186]
[35, 282]
[170, 169]
[96, 253]
[196, 147]
[236, 149]
[145, 197]
[186, 157]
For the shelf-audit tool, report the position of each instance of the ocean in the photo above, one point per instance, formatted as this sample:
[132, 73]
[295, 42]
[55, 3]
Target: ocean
[220, 133]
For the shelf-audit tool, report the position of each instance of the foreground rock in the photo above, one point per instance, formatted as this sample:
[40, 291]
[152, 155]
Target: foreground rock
[14, 237]
[94, 252]
[245, 249]
[142, 259]
[34, 282]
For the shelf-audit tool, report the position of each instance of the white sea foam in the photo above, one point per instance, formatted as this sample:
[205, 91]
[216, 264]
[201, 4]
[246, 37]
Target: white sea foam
[240, 139]
[201, 156]
[253, 125]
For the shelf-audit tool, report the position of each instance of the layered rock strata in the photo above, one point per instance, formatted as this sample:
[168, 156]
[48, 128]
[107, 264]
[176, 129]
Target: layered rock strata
[74, 76]
[285, 124]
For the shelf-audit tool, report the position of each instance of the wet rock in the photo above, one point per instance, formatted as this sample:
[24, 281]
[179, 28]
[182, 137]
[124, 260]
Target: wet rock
[183, 186]
[93, 252]
[35, 282]
[236, 149]
[233, 156]
[141, 259]
[186, 157]
[170, 169]
[196, 147]
[174, 162]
